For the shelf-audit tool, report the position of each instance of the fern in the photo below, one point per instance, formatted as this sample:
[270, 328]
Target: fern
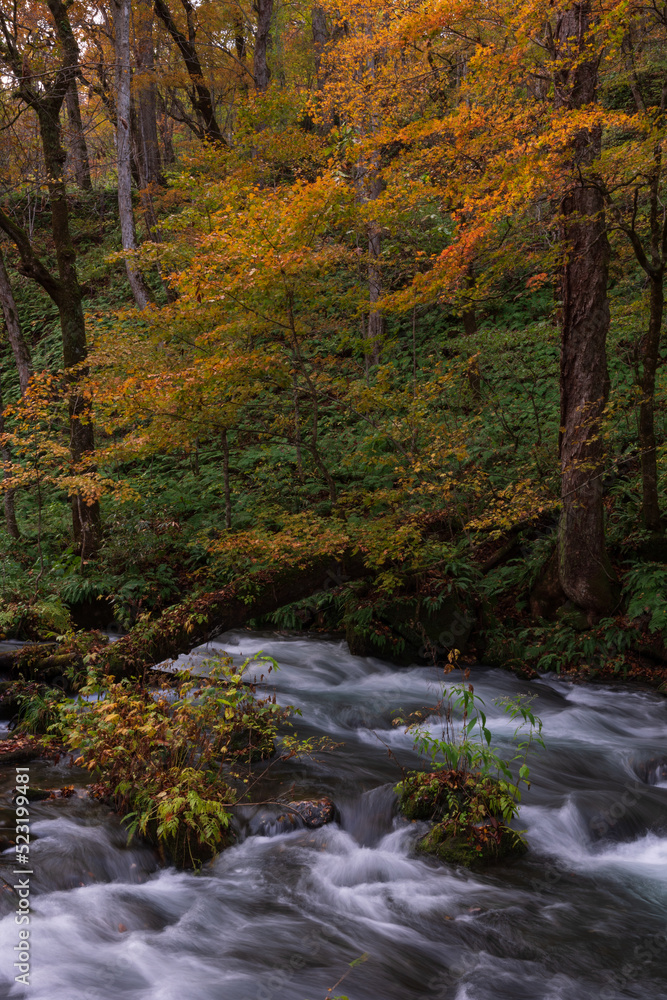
[645, 586]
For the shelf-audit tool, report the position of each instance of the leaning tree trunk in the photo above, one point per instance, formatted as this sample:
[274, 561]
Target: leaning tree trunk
[585, 571]
[201, 97]
[121, 9]
[198, 619]
[76, 140]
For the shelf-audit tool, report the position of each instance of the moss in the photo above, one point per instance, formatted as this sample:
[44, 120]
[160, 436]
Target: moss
[467, 829]
[457, 849]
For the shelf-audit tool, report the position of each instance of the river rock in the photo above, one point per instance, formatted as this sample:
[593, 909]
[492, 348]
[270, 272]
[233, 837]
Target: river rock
[310, 813]
[315, 812]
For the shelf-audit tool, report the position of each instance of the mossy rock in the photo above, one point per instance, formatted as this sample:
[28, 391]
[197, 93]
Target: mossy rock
[467, 829]
[456, 849]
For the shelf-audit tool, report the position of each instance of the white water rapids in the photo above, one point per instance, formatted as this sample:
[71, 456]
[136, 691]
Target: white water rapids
[583, 915]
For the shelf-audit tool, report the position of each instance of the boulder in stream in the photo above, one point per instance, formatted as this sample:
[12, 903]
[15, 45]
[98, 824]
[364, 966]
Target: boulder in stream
[310, 813]
[467, 826]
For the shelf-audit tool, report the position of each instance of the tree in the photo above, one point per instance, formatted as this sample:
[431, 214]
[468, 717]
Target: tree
[148, 152]
[260, 66]
[585, 570]
[44, 94]
[77, 139]
[200, 96]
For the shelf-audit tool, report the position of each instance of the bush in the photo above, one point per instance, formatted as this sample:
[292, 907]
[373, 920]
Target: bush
[173, 762]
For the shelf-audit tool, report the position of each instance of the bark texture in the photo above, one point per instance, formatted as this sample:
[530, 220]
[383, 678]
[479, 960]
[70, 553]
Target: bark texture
[121, 20]
[76, 140]
[261, 71]
[585, 571]
[150, 166]
[321, 36]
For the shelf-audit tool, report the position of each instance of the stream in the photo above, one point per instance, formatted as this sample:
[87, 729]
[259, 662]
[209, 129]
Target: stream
[582, 915]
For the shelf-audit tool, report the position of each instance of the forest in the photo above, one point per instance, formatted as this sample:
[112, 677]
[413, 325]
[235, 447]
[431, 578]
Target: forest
[331, 321]
[376, 283]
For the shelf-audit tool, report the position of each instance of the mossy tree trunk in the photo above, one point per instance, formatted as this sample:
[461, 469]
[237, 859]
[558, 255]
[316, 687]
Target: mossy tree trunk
[585, 571]
[198, 619]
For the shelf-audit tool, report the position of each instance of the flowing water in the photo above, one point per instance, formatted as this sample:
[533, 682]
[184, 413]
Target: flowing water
[282, 917]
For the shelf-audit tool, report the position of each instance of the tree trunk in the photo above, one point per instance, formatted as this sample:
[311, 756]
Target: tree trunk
[241, 53]
[85, 517]
[260, 68]
[76, 140]
[166, 127]
[650, 356]
[320, 38]
[17, 342]
[201, 98]
[150, 166]
[121, 11]
[9, 495]
[585, 571]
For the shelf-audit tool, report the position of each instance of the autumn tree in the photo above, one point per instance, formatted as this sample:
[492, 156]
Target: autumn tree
[44, 93]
